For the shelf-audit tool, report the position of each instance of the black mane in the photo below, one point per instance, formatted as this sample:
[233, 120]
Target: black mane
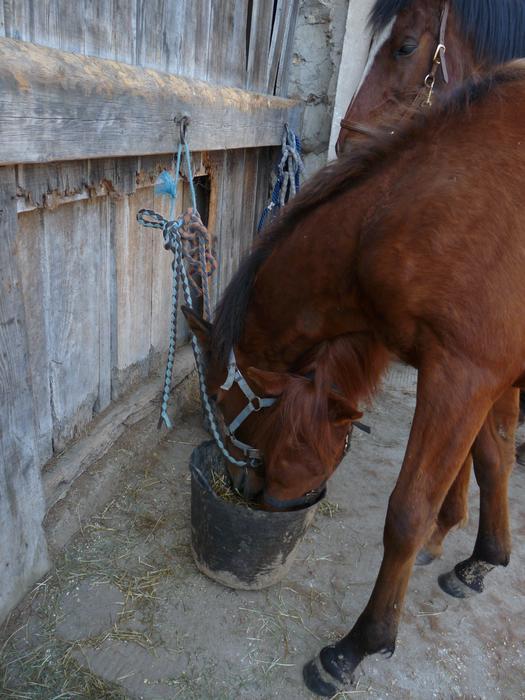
[338, 177]
[496, 28]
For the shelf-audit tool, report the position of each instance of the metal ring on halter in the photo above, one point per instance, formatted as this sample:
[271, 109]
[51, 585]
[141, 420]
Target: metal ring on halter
[430, 81]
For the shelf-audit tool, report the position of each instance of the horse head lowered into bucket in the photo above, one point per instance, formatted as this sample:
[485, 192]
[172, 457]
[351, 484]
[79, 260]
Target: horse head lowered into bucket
[412, 245]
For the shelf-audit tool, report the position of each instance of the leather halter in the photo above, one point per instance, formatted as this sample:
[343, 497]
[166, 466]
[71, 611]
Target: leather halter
[255, 404]
[424, 96]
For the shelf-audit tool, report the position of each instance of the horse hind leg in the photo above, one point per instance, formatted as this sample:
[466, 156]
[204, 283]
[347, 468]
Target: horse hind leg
[453, 514]
[493, 453]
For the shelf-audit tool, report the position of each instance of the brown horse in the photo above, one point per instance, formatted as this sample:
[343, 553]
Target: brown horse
[424, 260]
[421, 50]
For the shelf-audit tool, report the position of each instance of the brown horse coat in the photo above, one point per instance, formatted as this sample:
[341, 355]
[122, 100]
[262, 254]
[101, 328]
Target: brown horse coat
[413, 246]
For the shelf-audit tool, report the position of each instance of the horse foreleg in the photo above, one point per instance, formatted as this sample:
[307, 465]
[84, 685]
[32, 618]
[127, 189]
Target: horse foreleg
[493, 453]
[442, 433]
[453, 513]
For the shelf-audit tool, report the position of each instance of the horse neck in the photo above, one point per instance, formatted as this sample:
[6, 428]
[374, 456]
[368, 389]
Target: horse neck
[305, 293]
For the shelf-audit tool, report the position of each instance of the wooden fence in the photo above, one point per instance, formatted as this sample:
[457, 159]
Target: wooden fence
[88, 97]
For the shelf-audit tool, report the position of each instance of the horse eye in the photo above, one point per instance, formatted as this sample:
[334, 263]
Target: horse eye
[406, 49]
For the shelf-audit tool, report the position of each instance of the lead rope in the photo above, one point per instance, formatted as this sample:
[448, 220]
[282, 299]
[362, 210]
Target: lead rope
[173, 240]
[289, 171]
[178, 234]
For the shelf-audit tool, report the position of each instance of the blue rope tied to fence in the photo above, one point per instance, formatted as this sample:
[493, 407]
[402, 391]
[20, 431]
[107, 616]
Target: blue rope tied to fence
[171, 231]
[178, 236]
[289, 171]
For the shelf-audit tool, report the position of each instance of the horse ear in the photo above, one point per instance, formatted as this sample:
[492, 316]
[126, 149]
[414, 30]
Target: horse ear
[342, 411]
[199, 327]
[268, 383]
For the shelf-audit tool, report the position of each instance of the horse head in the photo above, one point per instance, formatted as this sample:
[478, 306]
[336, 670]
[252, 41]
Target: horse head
[418, 50]
[299, 437]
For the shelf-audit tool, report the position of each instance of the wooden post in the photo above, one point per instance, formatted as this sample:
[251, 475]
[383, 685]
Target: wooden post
[355, 52]
[23, 551]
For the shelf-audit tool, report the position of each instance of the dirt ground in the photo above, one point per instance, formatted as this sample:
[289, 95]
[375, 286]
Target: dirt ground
[125, 614]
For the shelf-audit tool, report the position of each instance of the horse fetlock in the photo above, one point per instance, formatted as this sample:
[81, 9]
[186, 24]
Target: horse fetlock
[495, 551]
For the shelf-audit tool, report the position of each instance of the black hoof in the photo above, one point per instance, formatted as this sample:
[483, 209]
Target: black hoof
[452, 585]
[332, 671]
[424, 557]
[318, 681]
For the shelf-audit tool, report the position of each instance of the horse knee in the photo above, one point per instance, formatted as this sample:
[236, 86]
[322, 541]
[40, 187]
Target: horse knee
[406, 527]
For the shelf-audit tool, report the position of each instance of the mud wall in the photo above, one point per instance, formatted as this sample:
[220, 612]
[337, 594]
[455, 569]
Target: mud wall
[314, 70]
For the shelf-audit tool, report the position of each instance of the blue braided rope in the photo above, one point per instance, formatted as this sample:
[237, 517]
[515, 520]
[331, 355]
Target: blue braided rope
[173, 241]
[288, 170]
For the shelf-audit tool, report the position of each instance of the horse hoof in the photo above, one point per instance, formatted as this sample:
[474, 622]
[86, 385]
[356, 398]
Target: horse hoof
[452, 585]
[319, 681]
[331, 672]
[424, 557]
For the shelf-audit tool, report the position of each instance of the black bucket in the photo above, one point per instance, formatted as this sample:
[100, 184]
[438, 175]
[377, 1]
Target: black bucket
[239, 546]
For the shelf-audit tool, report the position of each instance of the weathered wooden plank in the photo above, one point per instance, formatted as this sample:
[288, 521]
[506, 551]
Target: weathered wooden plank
[189, 48]
[104, 305]
[172, 37]
[259, 45]
[99, 30]
[29, 256]
[202, 40]
[284, 14]
[131, 291]
[73, 290]
[283, 72]
[229, 237]
[44, 185]
[227, 51]
[124, 31]
[247, 225]
[17, 20]
[109, 27]
[60, 106]
[64, 469]
[23, 552]
[57, 23]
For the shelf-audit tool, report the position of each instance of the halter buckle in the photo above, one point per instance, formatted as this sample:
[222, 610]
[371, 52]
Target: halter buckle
[441, 48]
